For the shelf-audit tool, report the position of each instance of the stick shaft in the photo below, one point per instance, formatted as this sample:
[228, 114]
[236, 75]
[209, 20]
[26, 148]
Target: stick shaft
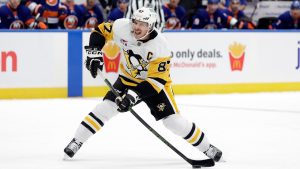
[148, 126]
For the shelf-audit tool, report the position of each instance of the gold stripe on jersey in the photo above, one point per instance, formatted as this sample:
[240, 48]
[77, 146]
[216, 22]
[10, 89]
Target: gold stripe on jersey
[160, 68]
[170, 95]
[106, 30]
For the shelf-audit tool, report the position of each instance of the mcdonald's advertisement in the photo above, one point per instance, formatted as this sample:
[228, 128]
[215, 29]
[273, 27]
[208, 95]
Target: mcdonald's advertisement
[234, 57]
[220, 58]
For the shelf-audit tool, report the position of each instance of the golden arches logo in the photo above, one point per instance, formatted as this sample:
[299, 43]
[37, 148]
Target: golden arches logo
[111, 56]
[237, 55]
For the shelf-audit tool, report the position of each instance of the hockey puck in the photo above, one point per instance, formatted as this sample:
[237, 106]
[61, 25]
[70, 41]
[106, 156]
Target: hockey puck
[196, 166]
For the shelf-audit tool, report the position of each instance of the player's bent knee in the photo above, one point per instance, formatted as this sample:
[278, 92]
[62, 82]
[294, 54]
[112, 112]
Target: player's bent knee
[177, 124]
[106, 110]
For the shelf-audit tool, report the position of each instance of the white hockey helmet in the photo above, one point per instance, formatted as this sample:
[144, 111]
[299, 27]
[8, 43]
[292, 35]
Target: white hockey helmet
[144, 14]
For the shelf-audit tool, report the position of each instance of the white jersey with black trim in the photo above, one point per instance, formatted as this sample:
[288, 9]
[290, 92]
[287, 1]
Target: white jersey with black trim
[141, 62]
[148, 60]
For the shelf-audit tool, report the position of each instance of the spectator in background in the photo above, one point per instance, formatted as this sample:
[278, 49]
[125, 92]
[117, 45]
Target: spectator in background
[191, 7]
[50, 12]
[13, 15]
[175, 15]
[111, 4]
[289, 19]
[226, 4]
[92, 14]
[74, 18]
[119, 11]
[212, 17]
[235, 11]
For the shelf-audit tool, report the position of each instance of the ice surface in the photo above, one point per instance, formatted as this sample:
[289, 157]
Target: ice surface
[255, 131]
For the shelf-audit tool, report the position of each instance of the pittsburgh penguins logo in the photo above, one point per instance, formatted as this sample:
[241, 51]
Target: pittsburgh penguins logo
[135, 63]
[17, 24]
[71, 22]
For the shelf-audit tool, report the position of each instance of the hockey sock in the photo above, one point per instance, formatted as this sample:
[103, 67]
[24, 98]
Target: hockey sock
[89, 126]
[95, 120]
[197, 138]
[187, 130]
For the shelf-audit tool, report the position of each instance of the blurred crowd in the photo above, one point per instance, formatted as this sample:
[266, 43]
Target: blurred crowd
[178, 14]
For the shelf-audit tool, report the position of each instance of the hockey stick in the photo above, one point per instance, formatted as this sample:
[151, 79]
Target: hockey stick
[194, 163]
[254, 10]
[35, 20]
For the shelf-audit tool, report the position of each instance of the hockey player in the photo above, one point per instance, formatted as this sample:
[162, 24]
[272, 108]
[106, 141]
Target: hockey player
[50, 11]
[214, 18]
[119, 11]
[92, 14]
[210, 18]
[17, 16]
[175, 15]
[144, 74]
[74, 17]
[235, 11]
[226, 4]
[289, 19]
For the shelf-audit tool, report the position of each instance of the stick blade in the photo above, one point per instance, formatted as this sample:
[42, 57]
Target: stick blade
[202, 163]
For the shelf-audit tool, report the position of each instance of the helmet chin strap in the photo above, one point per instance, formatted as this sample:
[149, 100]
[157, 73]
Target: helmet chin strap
[148, 32]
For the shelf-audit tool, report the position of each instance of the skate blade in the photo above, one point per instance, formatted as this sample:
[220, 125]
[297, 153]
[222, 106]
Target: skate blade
[222, 160]
[66, 158]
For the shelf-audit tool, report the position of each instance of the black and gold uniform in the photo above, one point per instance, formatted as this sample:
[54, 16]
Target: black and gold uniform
[144, 69]
[144, 66]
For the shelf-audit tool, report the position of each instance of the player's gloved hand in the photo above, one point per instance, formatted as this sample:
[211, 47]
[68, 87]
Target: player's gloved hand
[94, 60]
[126, 101]
[236, 24]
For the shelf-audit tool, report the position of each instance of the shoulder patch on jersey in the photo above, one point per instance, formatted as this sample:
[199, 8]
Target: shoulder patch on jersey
[124, 42]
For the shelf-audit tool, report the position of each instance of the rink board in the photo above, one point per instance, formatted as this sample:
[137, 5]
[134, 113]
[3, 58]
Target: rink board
[49, 64]
[33, 64]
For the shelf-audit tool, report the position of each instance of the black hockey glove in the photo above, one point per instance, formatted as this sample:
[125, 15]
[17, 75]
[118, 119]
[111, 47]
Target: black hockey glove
[94, 60]
[125, 102]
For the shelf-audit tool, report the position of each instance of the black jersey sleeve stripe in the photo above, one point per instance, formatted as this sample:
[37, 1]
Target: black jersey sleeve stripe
[97, 119]
[88, 127]
[159, 80]
[191, 132]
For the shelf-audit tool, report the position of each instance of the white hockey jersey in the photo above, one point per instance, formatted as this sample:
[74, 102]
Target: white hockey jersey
[140, 61]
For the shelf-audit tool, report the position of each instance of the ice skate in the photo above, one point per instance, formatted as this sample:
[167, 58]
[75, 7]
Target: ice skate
[72, 148]
[214, 153]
